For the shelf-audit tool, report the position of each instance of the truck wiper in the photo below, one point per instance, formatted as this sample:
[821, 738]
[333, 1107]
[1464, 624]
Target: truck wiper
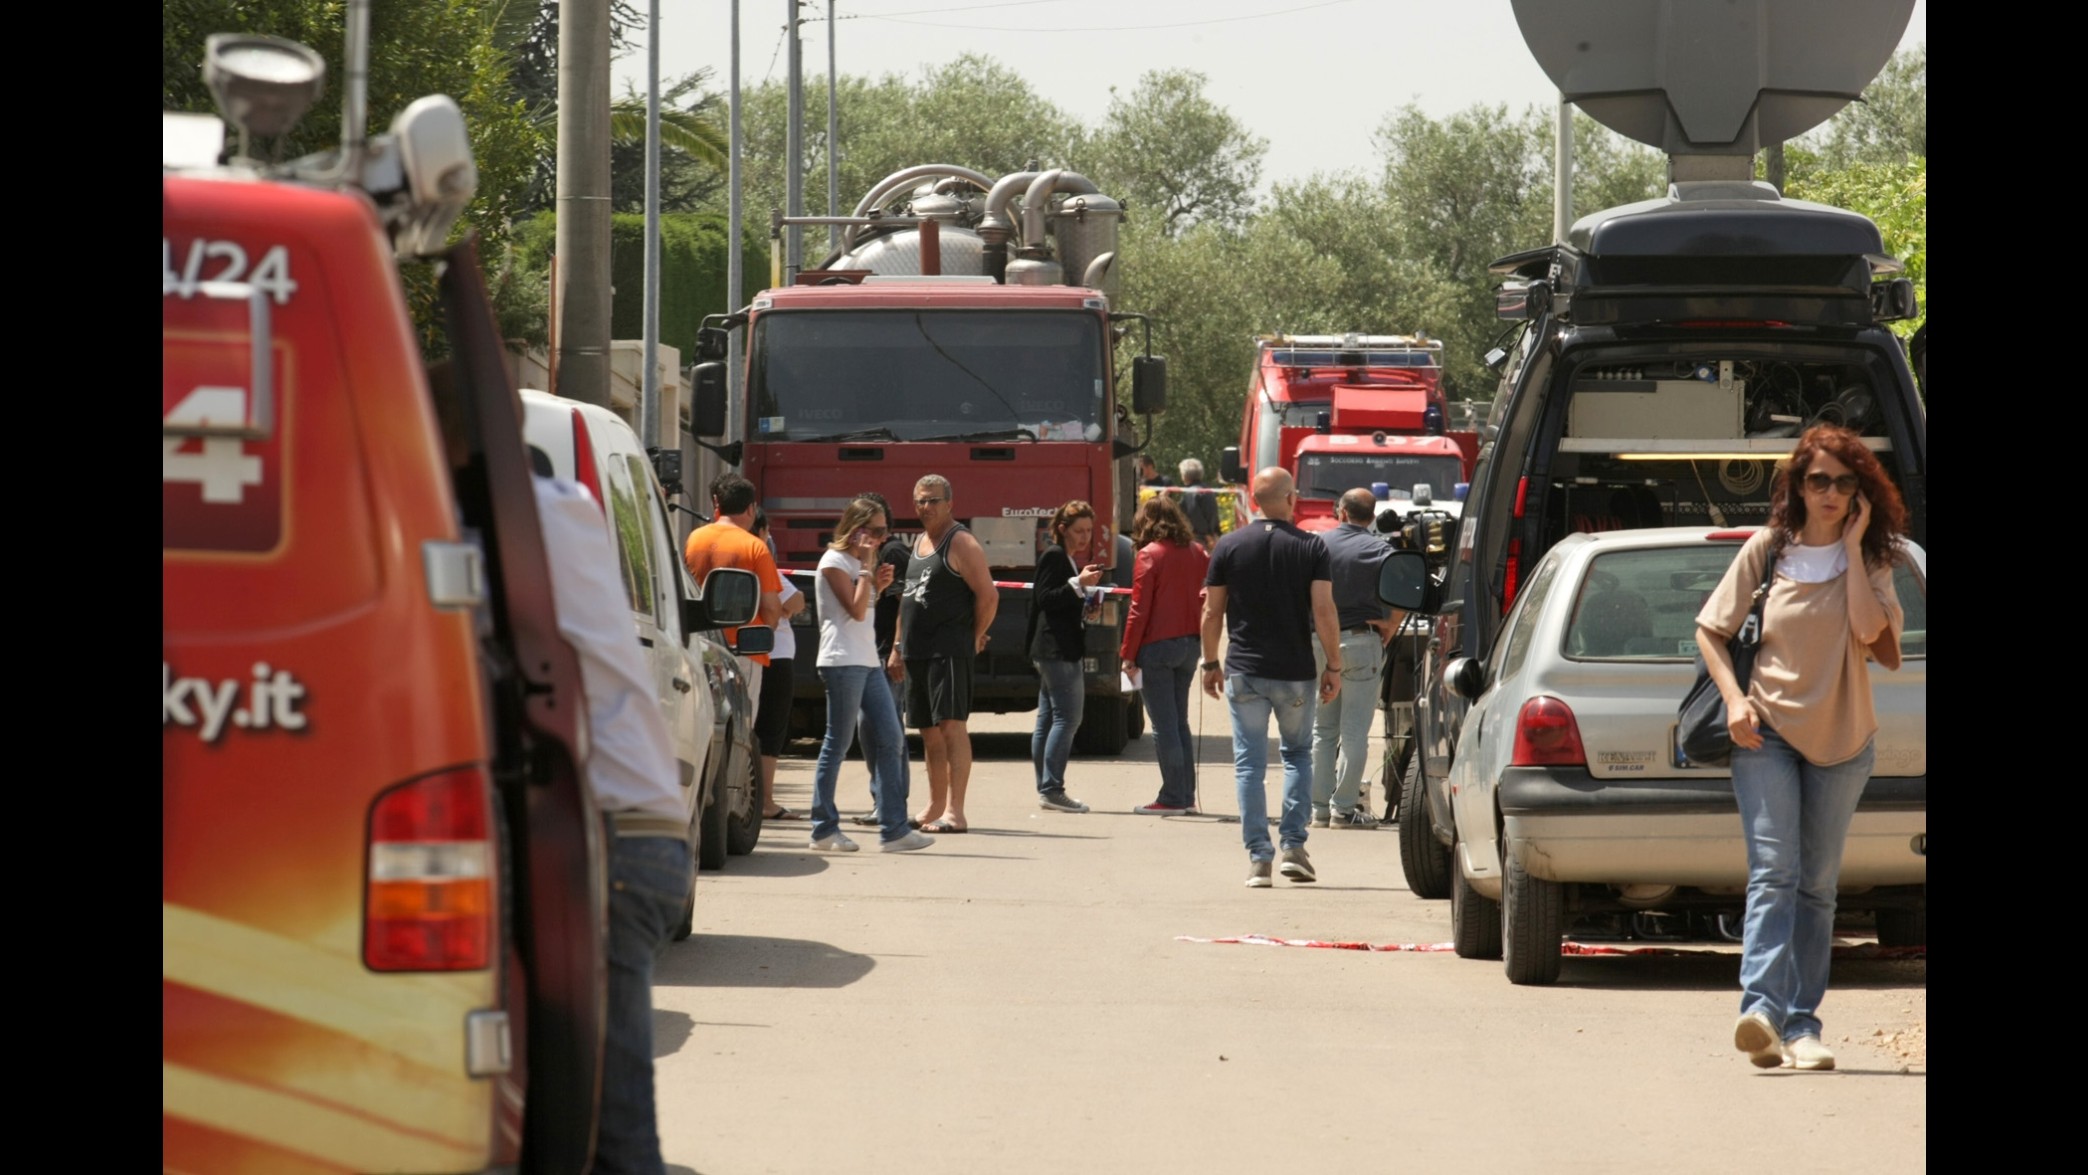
[1017, 433]
[879, 433]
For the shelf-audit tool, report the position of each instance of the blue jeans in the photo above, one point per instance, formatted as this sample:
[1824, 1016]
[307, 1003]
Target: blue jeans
[905, 781]
[1252, 700]
[1169, 671]
[1341, 728]
[648, 877]
[859, 697]
[1061, 694]
[1796, 815]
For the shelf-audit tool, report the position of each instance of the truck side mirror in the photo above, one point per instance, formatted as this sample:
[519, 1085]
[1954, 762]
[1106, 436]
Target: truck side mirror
[1149, 384]
[708, 405]
[1229, 466]
[1404, 583]
[712, 343]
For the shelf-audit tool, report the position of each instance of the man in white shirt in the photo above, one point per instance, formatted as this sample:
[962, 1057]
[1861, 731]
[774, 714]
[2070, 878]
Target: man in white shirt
[631, 770]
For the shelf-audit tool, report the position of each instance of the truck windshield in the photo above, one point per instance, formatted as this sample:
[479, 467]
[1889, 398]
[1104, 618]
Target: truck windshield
[911, 375]
[1330, 475]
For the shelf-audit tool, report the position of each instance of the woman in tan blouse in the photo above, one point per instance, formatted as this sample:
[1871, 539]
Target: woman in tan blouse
[1802, 725]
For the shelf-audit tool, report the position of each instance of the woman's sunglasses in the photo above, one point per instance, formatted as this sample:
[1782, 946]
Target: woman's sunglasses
[1820, 483]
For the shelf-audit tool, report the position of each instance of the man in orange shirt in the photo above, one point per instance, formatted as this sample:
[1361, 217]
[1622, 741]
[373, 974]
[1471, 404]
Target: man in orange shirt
[728, 541]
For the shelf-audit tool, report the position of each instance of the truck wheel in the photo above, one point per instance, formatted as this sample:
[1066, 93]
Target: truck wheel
[1105, 726]
[1422, 857]
[1475, 919]
[743, 821]
[1533, 920]
[1134, 714]
[710, 852]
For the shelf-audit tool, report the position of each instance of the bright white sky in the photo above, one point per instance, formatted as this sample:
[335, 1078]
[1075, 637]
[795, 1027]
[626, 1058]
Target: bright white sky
[1313, 77]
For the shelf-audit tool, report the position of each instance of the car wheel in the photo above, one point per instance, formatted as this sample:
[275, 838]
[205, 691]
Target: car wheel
[1475, 919]
[1902, 928]
[710, 853]
[1105, 727]
[1533, 920]
[687, 925]
[743, 821]
[1423, 858]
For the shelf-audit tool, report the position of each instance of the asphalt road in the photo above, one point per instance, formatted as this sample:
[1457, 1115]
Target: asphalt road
[1020, 999]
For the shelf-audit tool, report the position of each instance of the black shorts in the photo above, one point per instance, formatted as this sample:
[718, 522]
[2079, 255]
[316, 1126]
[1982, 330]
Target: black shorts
[772, 712]
[938, 689]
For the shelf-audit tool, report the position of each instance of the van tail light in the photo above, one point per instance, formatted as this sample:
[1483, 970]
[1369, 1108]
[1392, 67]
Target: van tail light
[1547, 736]
[584, 470]
[429, 905]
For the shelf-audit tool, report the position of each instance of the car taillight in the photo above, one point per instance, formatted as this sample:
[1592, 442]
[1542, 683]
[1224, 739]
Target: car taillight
[1511, 566]
[429, 905]
[1547, 736]
[584, 470]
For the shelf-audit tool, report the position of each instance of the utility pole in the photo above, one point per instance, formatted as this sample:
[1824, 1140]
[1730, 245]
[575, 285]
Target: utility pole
[649, 385]
[833, 151]
[735, 272]
[582, 238]
[1562, 172]
[794, 155]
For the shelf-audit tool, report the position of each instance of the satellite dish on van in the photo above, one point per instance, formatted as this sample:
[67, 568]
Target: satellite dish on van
[1693, 78]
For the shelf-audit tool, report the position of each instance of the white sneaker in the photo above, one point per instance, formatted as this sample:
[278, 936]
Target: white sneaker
[1807, 1052]
[907, 844]
[1754, 1035]
[837, 843]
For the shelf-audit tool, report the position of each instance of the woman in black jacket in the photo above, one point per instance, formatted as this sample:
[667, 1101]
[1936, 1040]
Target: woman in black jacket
[1057, 643]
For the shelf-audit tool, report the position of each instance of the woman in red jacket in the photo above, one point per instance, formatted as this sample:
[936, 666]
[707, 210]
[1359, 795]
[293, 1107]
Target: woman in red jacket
[1162, 638]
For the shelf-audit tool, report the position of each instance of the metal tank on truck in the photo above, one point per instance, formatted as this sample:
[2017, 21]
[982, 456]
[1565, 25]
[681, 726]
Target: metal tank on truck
[963, 327]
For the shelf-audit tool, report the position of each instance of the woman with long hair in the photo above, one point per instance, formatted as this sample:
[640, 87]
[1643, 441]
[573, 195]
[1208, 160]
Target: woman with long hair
[1162, 636]
[1057, 643]
[1802, 724]
[858, 696]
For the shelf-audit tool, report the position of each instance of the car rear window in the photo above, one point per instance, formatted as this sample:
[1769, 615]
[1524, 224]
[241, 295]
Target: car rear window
[1642, 604]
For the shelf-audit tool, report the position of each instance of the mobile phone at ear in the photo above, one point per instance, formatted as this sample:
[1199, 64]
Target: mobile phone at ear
[860, 537]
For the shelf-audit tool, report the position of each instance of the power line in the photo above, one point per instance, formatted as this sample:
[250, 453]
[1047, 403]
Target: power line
[1121, 28]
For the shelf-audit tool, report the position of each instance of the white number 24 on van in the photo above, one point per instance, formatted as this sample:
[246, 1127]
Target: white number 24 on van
[224, 261]
[220, 466]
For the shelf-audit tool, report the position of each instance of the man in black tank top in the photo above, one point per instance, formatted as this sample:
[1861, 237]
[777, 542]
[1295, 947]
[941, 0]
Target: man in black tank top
[948, 605]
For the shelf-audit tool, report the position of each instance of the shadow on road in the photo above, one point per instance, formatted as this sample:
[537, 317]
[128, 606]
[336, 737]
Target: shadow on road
[745, 960]
[778, 857]
[1722, 973]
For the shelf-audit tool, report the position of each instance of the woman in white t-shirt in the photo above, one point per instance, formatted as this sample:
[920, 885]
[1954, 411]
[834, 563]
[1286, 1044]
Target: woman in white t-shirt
[858, 696]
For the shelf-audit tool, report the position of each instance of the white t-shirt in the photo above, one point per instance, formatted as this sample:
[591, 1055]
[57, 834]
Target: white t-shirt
[630, 755]
[842, 640]
[1813, 564]
[786, 640]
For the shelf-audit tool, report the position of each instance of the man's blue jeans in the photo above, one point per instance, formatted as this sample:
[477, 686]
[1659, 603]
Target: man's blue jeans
[1341, 728]
[859, 697]
[1169, 671]
[648, 877]
[1061, 695]
[1796, 816]
[1252, 700]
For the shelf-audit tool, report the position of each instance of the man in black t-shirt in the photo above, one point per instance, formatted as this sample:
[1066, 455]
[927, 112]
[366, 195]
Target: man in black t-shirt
[1270, 590]
[1149, 472]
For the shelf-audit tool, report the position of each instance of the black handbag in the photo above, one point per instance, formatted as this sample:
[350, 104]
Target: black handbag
[1702, 735]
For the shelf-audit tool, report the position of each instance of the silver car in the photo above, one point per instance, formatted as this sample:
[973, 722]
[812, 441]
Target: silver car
[1568, 796]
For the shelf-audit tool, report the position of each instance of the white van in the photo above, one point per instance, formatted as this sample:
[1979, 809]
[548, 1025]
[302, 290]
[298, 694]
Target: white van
[696, 679]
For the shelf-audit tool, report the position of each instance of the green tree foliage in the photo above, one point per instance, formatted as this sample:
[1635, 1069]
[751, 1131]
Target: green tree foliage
[1890, 124]
[1893, 194]
[463, 48]
[1167, 150]
[692, 270]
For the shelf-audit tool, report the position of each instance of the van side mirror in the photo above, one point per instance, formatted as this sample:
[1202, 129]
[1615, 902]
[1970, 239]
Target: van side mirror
[1229, 464]
[667, 466]
[1893, 300]
[712, 343]
[707, 407]
[1404, 583]
[754, 638]
[1149, 384]
[1516, 301]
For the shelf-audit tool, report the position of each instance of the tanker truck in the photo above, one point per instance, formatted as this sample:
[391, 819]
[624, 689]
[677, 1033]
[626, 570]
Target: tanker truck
[964, 327]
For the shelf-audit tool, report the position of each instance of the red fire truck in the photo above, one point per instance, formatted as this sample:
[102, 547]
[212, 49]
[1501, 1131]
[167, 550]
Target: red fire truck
[1347, 411]
[964, 328]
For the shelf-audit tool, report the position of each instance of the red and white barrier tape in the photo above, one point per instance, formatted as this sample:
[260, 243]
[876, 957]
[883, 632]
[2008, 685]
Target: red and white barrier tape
[1863, 950]
[999, 583]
